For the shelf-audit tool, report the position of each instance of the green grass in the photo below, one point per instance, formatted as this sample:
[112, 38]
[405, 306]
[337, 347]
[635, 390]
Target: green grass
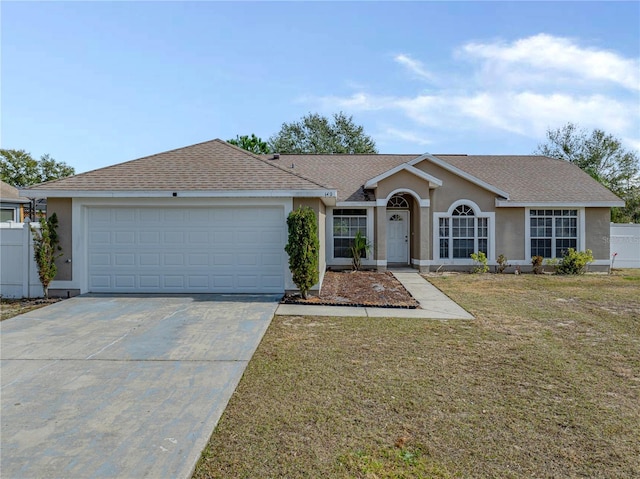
[544, 383]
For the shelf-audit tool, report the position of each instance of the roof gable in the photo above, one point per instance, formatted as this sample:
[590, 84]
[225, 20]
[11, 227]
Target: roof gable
[432, 180]
[462, 173]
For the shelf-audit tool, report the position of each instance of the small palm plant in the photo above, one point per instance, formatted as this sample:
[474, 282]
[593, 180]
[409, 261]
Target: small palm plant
[359, 249]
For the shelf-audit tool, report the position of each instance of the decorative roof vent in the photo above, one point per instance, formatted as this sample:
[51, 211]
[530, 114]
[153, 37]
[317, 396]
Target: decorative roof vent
[276, 156]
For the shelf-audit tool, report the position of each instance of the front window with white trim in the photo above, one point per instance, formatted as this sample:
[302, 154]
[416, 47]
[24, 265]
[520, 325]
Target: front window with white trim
[553, 232]
[346, 224]
[463, 233]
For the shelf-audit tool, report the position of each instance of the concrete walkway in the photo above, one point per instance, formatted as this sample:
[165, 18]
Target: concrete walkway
[434, 304]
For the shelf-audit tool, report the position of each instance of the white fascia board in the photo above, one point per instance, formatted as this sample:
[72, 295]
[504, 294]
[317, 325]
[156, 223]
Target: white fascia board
[319, 193]
[433, 181]
[557, 204]
[459, 172]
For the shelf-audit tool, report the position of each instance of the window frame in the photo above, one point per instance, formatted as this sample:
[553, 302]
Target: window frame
[368, 213]
[554, 237]
[14, 213]
[478, 214]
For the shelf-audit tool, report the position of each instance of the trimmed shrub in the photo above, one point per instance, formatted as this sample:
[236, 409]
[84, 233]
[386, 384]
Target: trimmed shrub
[574, 262]
[479, 263]
[536, 262]
[303, 248]
[503, 264]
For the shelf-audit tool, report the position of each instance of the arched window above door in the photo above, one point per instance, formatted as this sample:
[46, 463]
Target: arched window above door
[398, 201]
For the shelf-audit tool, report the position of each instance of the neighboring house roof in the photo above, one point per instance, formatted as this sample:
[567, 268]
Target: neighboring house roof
[217, 166]
[210, 166]
[10, 194]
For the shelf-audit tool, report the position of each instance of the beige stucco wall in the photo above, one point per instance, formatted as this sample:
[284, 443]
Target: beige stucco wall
[403, 180]
[455, 188]
[62, 208]
[597, 231]
[415, 235]
[510, 233]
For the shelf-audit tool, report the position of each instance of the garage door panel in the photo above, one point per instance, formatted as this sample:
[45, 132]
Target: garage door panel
[126, 259]
[186, 250]
[99, 259]
[149, 259]
[127, 238]
[147, 281]
[149, 238]
[173, 259]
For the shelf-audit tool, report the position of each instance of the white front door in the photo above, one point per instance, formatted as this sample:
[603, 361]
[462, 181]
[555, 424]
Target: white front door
[397, 236]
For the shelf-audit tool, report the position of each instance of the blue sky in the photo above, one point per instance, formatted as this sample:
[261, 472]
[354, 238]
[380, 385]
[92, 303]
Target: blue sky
[98, 83]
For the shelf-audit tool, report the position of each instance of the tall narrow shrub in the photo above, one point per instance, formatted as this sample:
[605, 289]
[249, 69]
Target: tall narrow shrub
[45, 250]
[303, 248]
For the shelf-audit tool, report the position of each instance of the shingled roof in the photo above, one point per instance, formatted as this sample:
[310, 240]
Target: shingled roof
[526, 178]
[533, 179]
[217, 166]
[210, 166]
[347, 173]
[10, 194]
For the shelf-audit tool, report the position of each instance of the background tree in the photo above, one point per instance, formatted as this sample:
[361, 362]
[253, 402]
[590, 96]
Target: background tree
[252, 143]
[20, 169]
[604, 157]
[318, 134]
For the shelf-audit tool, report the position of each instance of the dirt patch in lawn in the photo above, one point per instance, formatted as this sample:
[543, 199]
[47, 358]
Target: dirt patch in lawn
[13, 307]
[359, 288]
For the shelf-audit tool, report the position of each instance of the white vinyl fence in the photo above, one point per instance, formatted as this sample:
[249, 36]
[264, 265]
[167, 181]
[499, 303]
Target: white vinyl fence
[625, 240]
[18, 269]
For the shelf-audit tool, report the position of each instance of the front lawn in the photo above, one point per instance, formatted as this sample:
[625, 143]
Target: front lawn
[544, 383]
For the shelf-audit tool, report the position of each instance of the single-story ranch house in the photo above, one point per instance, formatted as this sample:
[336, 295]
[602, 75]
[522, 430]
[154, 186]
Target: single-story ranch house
[212, 217]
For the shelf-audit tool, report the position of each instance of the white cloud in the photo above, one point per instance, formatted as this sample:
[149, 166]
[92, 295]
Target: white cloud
[546, 53]
[521, 88]
[414, 66]
[412, 137]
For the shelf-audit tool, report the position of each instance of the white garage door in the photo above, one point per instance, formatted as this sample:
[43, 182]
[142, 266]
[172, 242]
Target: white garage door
[186, 250]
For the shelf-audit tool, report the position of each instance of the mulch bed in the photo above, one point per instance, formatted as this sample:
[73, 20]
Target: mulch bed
[359, 288]
[13, 307]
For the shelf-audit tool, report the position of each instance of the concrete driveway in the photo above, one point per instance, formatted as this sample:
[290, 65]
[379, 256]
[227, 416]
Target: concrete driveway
[122, 386]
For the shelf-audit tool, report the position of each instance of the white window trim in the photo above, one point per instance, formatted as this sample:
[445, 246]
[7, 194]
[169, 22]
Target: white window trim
[331, 260]
[491, 247]
[582, 233]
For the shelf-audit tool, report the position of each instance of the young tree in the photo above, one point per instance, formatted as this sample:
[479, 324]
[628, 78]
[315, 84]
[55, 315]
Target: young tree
[45, 250]
[18, 168]
[303, 248]
[603, 157]
[252, 143]
[318, 134]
